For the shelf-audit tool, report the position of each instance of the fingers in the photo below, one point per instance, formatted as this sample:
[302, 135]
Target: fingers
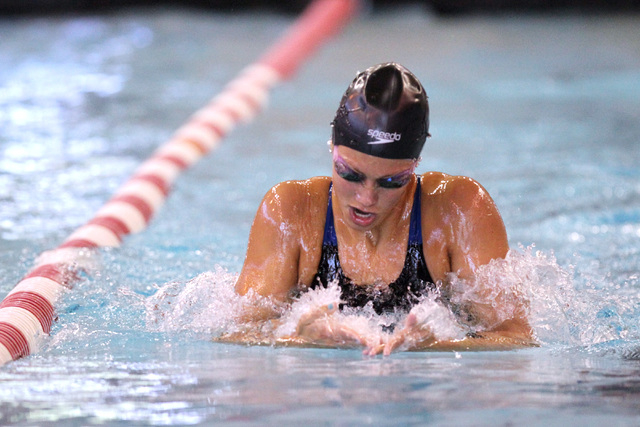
[373, 350]
[407, 337]
[319, 325]
[392, 342]
[395, 342]
[400, 337]
[385, 348]
[411, 321]
[315, 314]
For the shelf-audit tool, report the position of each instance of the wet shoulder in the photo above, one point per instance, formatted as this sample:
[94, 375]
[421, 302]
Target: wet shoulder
[444, 191]
[301, 200]
[440, 184]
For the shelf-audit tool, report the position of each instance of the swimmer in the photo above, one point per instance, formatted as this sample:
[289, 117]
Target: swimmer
[387, 235]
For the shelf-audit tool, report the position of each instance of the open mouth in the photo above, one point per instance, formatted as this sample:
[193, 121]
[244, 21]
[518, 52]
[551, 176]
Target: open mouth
[361, 214]
[362, 218]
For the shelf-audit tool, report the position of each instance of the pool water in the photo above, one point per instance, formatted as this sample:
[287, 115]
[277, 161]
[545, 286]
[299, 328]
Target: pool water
[543, 110]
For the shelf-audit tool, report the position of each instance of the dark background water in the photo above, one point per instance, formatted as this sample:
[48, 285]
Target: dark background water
[442, 7]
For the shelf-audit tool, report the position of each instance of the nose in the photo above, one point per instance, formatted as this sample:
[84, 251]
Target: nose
[367, 194]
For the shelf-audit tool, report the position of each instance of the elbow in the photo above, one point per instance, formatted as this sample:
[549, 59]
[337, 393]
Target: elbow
[516, 329]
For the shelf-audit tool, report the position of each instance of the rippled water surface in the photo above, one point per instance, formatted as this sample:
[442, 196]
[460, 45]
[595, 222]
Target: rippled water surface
[543, 110]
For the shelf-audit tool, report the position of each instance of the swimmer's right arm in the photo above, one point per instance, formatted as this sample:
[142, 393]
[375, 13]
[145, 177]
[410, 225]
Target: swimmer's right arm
[271, 268]
[271, 264]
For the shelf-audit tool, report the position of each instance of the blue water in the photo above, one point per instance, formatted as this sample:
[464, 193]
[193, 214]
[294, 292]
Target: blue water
[543, 110]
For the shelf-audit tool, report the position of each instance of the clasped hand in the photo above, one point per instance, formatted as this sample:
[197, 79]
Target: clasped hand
[322, 326]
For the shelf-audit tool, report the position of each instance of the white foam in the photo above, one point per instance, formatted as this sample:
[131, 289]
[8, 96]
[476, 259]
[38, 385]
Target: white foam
[207, 303]
[526, 283]
[432, 314]
[563, 307]
[310, 300]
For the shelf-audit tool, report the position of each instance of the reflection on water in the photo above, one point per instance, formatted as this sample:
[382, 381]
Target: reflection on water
[263, 385]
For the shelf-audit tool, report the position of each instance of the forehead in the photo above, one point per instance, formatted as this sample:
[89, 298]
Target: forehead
[371, 165]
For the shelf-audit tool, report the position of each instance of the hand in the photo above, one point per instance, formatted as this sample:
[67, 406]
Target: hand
[412, 335]
[321, 326]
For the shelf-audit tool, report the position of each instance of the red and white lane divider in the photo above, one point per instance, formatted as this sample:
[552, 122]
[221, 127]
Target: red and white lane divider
[28, 311]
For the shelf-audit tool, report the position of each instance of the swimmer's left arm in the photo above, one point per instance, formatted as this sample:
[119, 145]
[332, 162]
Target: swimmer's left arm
[465, 231]
[419, 337]
[477, 235]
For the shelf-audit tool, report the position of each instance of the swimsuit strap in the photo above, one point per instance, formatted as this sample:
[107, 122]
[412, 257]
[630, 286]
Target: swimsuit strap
[329, 237]
[415, 224]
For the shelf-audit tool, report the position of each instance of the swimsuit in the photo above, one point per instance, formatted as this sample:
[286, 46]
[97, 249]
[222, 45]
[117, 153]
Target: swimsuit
[414, 280]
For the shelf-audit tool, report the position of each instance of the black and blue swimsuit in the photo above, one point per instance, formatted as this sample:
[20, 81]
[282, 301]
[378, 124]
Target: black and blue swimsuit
[414, 280]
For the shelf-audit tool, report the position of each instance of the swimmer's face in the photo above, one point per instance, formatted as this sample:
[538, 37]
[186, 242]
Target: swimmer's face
[368, 188]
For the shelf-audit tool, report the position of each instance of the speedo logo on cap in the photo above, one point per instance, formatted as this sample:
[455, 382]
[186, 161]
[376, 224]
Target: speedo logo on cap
[383, 137]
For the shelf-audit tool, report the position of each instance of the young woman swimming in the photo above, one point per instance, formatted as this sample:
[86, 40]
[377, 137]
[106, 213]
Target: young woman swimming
[385, 235]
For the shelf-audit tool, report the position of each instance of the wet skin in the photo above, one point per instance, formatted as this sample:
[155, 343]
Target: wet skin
[461, 226]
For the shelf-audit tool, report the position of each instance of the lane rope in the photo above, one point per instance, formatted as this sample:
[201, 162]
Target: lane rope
[28, 311]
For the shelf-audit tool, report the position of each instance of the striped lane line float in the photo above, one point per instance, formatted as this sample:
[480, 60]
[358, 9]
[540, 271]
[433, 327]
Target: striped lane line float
[28, 311]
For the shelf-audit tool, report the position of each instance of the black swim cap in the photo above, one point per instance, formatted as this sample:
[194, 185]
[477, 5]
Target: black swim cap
[383, 113]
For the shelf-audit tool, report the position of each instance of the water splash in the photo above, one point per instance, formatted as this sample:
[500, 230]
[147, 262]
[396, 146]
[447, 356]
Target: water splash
[563, 308]
[206, 304]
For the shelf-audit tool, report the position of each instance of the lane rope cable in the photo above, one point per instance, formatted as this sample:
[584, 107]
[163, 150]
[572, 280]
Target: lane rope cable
[27, 312]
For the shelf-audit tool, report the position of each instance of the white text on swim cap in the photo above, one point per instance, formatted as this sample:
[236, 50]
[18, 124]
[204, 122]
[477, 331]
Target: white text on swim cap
[383, 137]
